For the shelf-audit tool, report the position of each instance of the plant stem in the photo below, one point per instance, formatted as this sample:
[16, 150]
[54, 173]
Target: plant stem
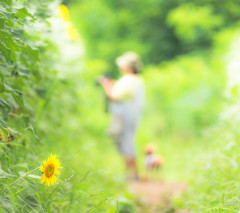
[24, 176]
[20, 178]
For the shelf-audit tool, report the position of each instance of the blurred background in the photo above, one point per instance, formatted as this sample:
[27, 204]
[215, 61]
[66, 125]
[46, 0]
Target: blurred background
[191, 56]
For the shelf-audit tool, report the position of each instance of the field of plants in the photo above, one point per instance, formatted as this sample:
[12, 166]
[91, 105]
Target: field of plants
[55, 154]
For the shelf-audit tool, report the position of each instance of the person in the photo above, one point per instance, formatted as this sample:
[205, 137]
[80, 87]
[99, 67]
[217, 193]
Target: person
[126, 101]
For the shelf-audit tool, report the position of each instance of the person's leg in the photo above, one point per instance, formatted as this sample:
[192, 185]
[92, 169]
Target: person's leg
[131, 167]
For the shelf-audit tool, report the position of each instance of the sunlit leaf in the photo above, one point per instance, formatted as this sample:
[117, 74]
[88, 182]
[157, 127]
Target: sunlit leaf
[23, 13]
[8, 2]
[4, 174]
[30, 175]
[15, 94]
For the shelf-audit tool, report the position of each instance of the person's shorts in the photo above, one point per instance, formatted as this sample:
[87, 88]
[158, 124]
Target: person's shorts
[123, 132]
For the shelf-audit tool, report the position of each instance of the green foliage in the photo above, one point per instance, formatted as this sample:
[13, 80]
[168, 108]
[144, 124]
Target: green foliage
[47, 106]
[190, 25]
[20, 59]
[217, 175]
[183, 46]
[23, 48]
[38, 117]
[157, 30]
[180, 91]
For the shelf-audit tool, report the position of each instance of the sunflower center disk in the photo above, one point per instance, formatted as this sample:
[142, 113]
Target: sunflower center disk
[49, 170]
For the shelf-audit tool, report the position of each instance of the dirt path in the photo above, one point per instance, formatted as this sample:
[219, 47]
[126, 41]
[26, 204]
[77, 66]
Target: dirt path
[157, 197]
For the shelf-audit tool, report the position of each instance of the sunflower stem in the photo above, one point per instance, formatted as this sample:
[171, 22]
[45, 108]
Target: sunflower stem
[46, 202]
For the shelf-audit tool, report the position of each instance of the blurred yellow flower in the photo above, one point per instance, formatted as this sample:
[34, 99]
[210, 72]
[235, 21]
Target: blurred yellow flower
[50, 169]
[4, 135]
[63, 12]
[72, 33]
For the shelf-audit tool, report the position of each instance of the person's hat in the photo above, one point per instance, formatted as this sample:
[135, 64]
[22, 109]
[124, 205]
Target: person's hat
[130, 60]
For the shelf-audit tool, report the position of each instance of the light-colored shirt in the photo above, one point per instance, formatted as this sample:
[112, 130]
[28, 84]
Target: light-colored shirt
[126, 87]
[128, 96]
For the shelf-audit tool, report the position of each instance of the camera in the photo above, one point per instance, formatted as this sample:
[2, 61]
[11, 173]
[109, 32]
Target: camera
[100, 78]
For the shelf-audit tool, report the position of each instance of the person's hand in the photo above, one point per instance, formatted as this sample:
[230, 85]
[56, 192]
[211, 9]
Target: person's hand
[106, 82]
[107, 85]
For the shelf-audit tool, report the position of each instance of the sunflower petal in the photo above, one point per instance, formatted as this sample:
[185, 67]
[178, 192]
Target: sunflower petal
[42, 180]
[56, 172]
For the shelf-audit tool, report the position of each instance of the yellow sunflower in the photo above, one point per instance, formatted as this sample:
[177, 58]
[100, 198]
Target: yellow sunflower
[50, 169]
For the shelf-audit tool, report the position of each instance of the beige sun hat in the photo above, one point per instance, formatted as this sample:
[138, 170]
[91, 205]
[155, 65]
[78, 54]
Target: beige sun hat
[130, 60]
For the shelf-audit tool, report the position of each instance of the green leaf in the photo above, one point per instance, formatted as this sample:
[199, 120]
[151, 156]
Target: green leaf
[7, 38]
[32, 53]
[4, 174]
[2, 22]
[1, 85]
[11, 101]
[4, 104]
[14, 132]
[6, 52]
[17, 95]
[4, 13]
[3, 124]
[30, 175]
[23, 72]
[8, 2]
[23, 13]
